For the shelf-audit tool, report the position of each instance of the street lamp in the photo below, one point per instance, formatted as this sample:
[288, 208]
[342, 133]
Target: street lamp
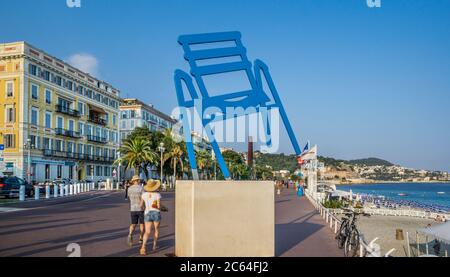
[161, 150]
[28, 146]
[118, 167]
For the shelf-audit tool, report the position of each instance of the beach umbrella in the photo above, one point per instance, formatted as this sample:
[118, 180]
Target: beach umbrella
[351, 195]
[440, 232]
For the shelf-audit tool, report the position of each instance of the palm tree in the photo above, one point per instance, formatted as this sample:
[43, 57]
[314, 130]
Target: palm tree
[137, 151]
[175, 155]
[204, 162]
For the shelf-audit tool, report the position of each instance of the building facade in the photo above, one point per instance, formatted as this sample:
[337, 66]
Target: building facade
[135, 113]
[69, 118]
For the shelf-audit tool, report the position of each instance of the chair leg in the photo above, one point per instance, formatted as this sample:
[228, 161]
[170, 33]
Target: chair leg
[189, 144]
[216, 149]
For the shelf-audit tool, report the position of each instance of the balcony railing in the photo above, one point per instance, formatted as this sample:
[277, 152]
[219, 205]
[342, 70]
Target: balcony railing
[97, 120]
[77, 156]
[68, 111]
[96, 139]
[67, 133]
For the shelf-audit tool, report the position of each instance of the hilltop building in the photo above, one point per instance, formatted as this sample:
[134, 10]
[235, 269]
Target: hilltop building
[67, 118]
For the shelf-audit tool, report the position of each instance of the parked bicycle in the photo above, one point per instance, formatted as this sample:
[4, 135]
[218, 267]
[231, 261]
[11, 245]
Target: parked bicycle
[348, 236]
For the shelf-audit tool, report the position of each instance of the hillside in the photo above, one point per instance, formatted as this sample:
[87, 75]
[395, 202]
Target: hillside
[370, 162]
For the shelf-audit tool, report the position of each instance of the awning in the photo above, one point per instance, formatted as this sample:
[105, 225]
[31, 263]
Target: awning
[440, 232]
[96, 109]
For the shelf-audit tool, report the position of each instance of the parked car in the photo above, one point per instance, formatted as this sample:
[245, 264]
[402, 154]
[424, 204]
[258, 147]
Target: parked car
[10, 187]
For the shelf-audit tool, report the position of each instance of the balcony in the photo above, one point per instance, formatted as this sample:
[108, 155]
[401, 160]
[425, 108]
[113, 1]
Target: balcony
[96, 139]
[97, 120]
[68, 111]
[67, 133]
[77, 156]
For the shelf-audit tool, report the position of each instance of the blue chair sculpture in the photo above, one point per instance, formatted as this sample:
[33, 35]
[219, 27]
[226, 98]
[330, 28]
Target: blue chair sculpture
[255, 97]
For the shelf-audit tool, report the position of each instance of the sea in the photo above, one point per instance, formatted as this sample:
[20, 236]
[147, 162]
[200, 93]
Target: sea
[435, 195]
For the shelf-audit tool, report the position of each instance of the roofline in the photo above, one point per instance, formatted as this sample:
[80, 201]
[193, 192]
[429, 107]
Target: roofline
[61, 61]
[153, 109]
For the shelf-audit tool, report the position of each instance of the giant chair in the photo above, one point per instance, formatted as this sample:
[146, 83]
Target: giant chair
[255, 97]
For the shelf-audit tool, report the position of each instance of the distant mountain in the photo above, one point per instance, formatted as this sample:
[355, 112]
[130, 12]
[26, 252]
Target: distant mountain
[370, 162]
[289, 162]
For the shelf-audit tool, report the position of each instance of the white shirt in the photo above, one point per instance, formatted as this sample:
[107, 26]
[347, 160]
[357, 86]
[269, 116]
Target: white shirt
[151, 201]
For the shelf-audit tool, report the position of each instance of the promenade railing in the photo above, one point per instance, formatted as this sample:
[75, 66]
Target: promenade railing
[329, 215]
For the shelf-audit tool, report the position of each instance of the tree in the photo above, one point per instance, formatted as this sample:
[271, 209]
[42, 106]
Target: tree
[204, 163]
[136, 152]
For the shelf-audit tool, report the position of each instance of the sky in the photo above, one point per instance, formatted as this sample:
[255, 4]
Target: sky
[357, 81]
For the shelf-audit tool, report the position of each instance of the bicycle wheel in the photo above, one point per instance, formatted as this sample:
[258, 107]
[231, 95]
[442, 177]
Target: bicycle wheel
[341, 235]
[352, 244]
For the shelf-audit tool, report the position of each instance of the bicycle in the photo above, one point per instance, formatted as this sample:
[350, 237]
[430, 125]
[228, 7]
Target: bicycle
[348, 236]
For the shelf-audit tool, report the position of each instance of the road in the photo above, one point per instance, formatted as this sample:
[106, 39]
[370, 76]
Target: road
[98, 222]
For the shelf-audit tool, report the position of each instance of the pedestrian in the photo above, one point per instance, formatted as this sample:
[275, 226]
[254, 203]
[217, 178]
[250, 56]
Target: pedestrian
[151, 200]
[127, 185]
[134, 191]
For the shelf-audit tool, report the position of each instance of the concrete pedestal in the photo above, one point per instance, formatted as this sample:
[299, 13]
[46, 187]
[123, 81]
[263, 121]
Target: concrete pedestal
[224, 219]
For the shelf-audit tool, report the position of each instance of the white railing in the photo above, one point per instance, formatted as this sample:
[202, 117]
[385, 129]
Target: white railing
[366, 249]
[404, 212]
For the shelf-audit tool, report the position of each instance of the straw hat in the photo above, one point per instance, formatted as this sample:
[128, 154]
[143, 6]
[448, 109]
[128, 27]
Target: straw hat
[135, 179]
[152, 185]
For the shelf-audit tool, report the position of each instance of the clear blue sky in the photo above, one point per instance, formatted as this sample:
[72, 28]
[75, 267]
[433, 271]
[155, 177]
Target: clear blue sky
[357, 81]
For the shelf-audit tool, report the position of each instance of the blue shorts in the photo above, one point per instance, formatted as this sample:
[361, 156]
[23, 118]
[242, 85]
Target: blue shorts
[153, 216]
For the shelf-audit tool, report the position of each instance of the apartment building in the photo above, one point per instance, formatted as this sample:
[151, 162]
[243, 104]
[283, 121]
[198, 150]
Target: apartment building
[66, 120]
[135, 113]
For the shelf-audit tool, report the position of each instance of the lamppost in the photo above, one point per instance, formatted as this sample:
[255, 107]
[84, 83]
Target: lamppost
[28, 146]
[118, 168]
[161, 150]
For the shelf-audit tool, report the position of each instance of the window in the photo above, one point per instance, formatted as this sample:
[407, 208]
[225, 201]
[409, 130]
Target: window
[33, 141]
[32, 69]
[48, 96]
[34, 116]
[48, 120]
[9, 89]
[81, 108]
[60, 123]
[71, 125]
[58, 145]
[81, 128]
[59, 172]
[132, 124]
[47, 172]
[46, 75]
[70, 172]
[70, 147]
[58, 80]
[69, 85]
[114, 119]
[132, 114]
[9, 140]
[34, 92]
[47, 145]
[10, 114]
[124, 125]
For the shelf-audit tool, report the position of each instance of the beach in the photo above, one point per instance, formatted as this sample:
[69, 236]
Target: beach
[384, 227]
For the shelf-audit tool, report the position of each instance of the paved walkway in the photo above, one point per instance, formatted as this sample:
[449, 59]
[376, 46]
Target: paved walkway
[300, 230]
[98, 222]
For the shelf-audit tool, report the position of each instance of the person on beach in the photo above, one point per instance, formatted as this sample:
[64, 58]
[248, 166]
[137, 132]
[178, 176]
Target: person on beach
[151, 200]
[134, 193]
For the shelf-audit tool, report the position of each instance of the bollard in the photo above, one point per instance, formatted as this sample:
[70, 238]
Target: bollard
[335, 226]
[22, 193]
[47, 191]
[36, 193]
[75, 189]
[78, 188]
[66, 190]
[85, 187]
[71, 189]
[61, 190]
[55, 191]
[81, 187]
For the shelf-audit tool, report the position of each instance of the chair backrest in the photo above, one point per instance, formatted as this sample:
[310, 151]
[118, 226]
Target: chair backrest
[218, 60]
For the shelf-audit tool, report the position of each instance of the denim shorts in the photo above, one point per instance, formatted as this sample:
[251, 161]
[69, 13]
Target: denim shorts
[153, 216]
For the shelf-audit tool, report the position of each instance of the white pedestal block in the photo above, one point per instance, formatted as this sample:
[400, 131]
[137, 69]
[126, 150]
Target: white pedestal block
[224, 219]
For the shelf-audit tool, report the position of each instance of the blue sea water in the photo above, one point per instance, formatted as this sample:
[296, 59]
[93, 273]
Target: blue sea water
[425, 194]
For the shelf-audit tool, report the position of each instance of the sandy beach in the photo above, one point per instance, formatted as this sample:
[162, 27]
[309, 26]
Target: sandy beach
[384, 227]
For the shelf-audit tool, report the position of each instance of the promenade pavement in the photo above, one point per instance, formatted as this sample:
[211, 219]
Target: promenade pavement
[98, 222]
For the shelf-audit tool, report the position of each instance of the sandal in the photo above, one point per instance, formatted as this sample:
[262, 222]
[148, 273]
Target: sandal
[143, 252]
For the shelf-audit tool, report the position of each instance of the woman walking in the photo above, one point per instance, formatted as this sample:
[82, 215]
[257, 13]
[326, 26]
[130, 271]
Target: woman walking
[151, 200]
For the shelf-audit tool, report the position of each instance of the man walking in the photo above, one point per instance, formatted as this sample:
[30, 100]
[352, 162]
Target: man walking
[137, 214]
